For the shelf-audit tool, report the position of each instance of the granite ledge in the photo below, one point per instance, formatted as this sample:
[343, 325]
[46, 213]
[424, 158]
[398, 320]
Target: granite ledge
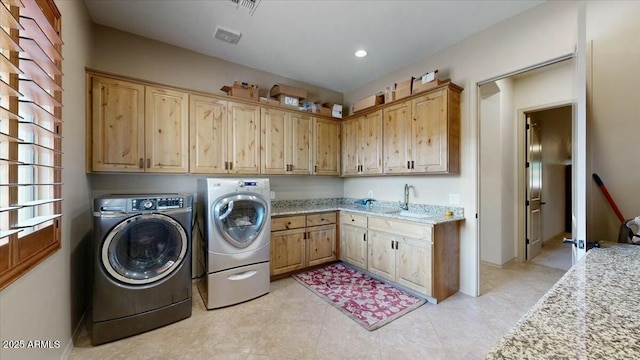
[297, 207]
[592, 312]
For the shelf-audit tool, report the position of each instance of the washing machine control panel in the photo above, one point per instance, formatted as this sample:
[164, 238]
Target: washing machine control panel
[157, 203]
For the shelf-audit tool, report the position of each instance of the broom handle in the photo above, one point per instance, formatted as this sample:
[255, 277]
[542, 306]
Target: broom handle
[609, 198]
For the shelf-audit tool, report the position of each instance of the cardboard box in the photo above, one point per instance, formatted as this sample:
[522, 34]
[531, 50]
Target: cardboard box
[369, 101]
[323, 111]
[249, 93]
[279, 89]
[419, 86]
[402, 93]
[289, 101]
[336, 111]
[268, 101]
[403, 88]
[244, 85]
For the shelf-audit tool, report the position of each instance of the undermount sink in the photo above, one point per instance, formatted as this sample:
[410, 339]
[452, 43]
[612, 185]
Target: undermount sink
[410, 214]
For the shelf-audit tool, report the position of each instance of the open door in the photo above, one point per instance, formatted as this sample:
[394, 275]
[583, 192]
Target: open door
[534, 189]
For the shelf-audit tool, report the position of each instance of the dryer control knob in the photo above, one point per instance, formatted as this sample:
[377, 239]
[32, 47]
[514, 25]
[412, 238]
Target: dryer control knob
[147, 204]
[241, 183]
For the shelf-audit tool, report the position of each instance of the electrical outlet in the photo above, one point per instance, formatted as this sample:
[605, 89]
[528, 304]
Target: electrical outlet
[454, 199]
[273, 195]
[370, 194]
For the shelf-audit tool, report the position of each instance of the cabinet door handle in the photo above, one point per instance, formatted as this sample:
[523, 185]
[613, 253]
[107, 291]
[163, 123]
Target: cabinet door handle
[357, 168]
[315, 168]
[290, 167]
[364, 237]
[396, 245]
[230, 165]
[304, 235]
[226, 165]
[140, 163]
[408, 164]
[148, 163]
[412, 164]
[392, 245]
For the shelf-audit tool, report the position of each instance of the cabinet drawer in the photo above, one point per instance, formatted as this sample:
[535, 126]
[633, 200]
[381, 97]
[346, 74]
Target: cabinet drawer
[353, 219]
[288, 222]
[321, 219]
[403, 228]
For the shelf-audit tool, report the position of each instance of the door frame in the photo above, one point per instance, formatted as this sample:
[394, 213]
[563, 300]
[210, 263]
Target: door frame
[521, 188]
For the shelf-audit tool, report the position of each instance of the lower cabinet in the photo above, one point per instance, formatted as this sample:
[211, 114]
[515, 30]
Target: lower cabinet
[353, 239]
[302, 241]
[421, 257]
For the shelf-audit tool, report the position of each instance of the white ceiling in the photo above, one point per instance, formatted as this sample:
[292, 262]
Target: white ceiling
[311, 41]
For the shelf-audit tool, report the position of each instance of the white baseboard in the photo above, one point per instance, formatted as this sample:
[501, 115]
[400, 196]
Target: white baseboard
[68, 348]
[498, 266]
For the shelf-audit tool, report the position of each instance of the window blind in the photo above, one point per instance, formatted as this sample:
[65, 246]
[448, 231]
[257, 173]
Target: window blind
[30, 134]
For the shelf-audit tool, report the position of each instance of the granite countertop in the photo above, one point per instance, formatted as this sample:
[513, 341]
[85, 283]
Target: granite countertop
[592, 312]
[433, 214]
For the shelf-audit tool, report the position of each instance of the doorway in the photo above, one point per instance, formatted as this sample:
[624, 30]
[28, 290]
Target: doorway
[548, 183]
[502, 156]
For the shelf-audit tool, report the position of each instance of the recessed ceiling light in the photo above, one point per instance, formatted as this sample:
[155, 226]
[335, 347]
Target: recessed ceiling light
[361, 53]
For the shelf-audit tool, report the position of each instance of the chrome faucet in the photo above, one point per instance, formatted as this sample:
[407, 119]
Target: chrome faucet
[405, 206]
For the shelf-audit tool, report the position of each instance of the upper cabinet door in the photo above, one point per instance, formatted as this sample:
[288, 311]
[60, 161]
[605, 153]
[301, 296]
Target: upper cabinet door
[244, 137]
[327, 147]
[166, 130]
[430, 132]
[397, 138]
[117, 125]
[350, 146]
[275, 140]
[370, 144]
[208, 135]
[300, 149]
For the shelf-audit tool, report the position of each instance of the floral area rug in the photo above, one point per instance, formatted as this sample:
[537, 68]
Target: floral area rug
[371, 303]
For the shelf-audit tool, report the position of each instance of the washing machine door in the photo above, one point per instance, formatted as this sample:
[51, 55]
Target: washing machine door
[144, 248]
[240, 218]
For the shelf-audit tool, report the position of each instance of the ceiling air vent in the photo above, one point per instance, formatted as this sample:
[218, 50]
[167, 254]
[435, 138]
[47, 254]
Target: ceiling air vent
[227, 35]
[249, 5]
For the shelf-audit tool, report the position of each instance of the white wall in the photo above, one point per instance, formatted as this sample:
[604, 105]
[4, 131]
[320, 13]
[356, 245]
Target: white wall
[47, 303]
[285, 187]
[544, 32]
[614, 114]
[130, 55]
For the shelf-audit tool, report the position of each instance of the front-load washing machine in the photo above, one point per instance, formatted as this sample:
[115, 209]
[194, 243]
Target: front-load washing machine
[236, 217]
[142, 263]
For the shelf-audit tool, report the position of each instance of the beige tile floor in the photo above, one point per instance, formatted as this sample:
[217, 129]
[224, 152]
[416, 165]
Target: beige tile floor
[293, 323]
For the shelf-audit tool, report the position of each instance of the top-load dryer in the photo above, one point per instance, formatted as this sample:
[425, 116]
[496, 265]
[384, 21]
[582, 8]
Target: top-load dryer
[235, 215]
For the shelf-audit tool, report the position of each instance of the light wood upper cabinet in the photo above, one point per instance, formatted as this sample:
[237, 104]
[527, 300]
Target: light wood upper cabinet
[244, 138]
[166, 130]
[208, 135]
[362, 145]
[420, 135]
[326, 147]
[397, 138]
[117, 125]
[285, 142]
[137, 128]
[225, 137]
[350, 142]
[436, 133]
